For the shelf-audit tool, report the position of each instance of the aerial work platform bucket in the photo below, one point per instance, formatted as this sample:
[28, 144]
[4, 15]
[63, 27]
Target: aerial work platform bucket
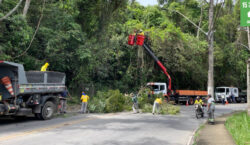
[131, 39]
[140, 40]
[7, 83]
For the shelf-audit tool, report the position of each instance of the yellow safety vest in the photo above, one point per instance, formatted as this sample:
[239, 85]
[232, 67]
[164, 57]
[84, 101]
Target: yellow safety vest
[198, 102]
[158, 100]
[85, 98]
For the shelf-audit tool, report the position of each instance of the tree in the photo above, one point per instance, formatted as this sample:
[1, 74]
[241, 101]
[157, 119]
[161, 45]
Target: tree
[12, 11]
[26, 7]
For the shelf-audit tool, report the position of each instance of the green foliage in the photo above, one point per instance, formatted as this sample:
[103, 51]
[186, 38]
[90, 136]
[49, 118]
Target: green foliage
[88, 41]
[115, 101]
[127, 103]
[97, 105]
[146, 103]
[239, 127]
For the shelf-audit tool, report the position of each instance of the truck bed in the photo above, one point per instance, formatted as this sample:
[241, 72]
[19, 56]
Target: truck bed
[191, 93]
[41, 88]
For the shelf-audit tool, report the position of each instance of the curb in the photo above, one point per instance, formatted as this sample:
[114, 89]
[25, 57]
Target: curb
[191, 138]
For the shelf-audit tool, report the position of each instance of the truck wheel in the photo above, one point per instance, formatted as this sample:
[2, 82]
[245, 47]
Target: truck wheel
[47, 110]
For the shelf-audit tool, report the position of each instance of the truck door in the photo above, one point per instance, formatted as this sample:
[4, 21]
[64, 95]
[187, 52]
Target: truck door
[162, 89]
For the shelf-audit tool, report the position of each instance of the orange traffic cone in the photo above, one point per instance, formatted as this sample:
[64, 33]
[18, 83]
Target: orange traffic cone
[7, 83]
[226, 102]
[187, 103]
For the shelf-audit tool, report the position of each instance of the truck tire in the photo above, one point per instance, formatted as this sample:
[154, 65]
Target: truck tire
[47, 110]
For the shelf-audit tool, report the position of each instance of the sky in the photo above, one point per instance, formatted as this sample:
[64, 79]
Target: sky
[147, 2]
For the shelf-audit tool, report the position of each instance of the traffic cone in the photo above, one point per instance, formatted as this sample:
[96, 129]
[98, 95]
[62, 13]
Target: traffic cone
[226, 102]
[7, 83]
[187, 103]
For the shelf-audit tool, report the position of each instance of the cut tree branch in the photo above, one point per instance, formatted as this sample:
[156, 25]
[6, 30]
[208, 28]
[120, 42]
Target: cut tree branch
[12, 11]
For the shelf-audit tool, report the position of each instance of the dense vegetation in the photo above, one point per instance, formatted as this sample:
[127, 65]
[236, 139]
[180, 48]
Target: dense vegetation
[239, 127]
[87, 39]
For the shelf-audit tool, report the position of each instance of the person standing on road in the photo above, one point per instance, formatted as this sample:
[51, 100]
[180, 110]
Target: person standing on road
[156, 106]
[210, 109]
[63, 101]
[223, 98]
[135, 103]
[84, 99]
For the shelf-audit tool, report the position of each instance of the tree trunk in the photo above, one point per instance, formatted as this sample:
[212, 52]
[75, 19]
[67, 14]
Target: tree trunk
[248, 75]
[198, 30]
[26, 7]
[248, 87]
[210, 87]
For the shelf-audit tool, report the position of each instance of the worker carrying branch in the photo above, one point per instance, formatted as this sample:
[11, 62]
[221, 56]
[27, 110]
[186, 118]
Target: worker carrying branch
[45, 66]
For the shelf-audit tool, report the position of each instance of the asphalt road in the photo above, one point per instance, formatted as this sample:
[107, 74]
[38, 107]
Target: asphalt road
[108, 129]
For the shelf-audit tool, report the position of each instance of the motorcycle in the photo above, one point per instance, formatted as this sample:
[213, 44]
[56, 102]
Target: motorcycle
[199, 111]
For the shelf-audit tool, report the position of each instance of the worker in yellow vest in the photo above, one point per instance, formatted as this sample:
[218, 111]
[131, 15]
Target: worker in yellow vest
[156, 106]
[45, 66]
[84, 99]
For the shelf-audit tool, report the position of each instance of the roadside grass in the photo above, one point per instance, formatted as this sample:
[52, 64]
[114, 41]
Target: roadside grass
[239, 127]
[197, 133]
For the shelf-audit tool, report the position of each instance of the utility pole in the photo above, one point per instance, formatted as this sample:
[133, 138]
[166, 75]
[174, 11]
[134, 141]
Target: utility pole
[210, 83]
[248, 75]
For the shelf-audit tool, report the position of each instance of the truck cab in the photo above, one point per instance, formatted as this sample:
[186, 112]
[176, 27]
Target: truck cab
[227, 92]
[158, 87]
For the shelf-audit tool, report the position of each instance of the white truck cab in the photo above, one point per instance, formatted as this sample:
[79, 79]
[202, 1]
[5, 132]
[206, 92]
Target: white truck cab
[227, 92]
[158, 87]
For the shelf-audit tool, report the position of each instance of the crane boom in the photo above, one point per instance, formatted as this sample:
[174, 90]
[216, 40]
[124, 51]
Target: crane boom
[147, 48]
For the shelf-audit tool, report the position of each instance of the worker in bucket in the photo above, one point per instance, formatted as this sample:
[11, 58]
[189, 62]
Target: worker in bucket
[157, 103]
[135, 103]
[210, 109]
[84, 99]
[45, 66]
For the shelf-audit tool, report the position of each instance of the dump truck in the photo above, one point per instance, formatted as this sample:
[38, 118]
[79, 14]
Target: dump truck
[178, 96]
[23, 93]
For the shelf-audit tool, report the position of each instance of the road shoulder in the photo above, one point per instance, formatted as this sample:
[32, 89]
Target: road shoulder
[216, 134]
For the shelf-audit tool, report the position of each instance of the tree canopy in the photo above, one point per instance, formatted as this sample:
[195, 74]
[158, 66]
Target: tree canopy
[87, 39]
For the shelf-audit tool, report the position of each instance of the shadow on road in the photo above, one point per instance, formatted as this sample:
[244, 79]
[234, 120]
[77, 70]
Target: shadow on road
[13, 120]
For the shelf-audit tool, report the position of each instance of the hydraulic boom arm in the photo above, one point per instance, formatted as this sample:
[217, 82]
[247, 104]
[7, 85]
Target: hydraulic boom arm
[147, 48]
